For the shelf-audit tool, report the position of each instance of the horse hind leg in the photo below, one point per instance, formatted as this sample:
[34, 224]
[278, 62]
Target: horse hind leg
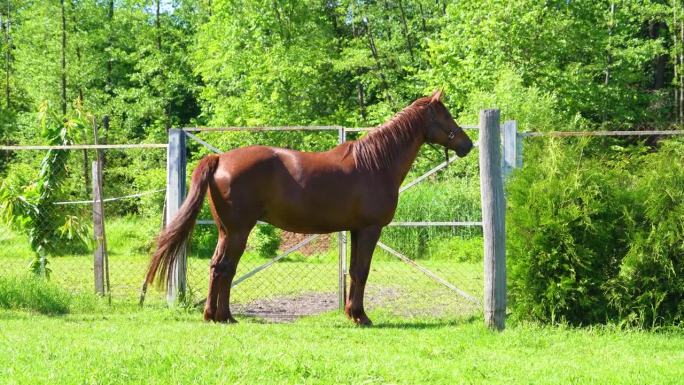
[210, 305]
[223, 272]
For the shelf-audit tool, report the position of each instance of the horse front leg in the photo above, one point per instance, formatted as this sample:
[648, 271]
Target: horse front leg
[363, 244]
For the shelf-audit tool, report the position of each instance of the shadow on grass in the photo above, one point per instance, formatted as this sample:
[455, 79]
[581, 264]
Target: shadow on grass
[420, 324]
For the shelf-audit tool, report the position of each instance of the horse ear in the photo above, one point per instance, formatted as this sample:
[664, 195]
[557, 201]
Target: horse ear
[436, 96]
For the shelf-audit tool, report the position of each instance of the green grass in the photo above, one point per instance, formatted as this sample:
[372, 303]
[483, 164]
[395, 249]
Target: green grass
[34, 294]
[172, 347]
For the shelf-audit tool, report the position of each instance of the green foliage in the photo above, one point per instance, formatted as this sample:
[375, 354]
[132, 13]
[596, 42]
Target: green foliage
[265, 240]
[30, 207]
[590, 54]
[32, 294]
[595, 235]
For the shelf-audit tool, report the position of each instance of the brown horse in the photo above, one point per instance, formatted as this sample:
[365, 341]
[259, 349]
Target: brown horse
[354, 187]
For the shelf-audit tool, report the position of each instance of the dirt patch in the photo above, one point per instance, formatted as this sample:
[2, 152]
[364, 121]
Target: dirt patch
[317, 246]
[289, 308]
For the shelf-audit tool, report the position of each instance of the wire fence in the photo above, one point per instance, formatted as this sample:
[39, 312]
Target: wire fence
[47, 225]
[430, 262]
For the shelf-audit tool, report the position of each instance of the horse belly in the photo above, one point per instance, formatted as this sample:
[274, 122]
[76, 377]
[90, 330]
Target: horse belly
[341, 205]
[303, 212]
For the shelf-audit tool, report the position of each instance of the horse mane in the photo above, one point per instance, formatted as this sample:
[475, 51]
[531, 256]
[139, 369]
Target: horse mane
[378, 149]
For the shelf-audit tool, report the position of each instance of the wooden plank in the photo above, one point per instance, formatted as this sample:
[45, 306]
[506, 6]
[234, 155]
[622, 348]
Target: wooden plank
[85, 147]
[560, 134]
[175, 194]
[98, 230]
[362, 129]
[510, 135]
[493, 220]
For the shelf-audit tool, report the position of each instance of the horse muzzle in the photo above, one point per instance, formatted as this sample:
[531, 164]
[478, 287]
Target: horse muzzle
[464, 148]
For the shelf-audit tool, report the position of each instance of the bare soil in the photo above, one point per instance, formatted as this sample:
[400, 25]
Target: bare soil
[289, 308]
[317, 246]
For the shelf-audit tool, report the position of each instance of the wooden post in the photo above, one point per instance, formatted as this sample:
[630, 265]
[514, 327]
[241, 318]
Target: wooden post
[510, 148]
[493, 220]
[175, 194]
[342, 251]
[99, 230]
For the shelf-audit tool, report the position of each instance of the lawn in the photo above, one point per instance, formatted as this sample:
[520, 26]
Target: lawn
[162, 346]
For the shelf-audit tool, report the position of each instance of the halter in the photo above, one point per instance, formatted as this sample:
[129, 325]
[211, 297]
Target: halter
[451, 134]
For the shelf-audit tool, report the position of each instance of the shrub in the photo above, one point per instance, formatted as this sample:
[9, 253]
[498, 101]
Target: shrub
[595, 235]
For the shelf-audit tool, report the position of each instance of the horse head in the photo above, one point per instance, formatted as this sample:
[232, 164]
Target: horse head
[442, 129]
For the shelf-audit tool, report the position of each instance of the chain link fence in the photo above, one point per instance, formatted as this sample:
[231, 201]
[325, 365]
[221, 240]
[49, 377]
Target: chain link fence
[430, 262]
[47, 220]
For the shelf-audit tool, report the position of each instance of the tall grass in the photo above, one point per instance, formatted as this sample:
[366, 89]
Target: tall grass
[34, 294]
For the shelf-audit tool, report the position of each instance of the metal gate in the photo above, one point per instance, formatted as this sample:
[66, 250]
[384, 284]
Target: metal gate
[294, 283]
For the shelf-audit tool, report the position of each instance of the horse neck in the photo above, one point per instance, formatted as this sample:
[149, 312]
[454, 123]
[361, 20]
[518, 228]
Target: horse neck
[404, 162]
[399, 149]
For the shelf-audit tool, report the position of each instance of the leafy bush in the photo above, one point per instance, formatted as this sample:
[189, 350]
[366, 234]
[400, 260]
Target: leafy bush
[265, 240]
[595, 235]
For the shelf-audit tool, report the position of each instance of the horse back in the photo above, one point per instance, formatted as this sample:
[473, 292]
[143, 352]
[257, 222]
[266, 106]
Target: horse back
[305, 191]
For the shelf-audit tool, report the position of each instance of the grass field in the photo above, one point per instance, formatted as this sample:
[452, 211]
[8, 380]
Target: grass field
[161, 346]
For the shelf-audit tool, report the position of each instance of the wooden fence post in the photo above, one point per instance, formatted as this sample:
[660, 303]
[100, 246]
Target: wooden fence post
[342, 250]
[99, 230]
[493, 220]
[175, 194]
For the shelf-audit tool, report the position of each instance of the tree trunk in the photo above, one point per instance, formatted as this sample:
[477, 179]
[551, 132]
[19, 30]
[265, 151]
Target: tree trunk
[110, 18]
[681, 68]
[8, 53]
[158, 25]
[374, 52]
[407, 33]
[609, 58]
[660, 61]
[360, 97]
[675, 58]
[86, 162]
[422, 17]
[64, 74]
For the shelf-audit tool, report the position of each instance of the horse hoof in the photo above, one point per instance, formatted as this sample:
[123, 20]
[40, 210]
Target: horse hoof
[347, 312]
[225, 319]
[363, 321]
[208, 315]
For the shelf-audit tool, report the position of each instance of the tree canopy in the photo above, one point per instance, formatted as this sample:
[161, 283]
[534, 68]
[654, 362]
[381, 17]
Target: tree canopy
[153, 64]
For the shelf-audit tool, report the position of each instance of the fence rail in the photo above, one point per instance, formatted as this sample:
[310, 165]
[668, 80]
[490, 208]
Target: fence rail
[86, 147]
[560, 134]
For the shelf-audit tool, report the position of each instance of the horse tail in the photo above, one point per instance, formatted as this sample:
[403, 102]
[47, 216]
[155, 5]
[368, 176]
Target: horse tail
[173, 239]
